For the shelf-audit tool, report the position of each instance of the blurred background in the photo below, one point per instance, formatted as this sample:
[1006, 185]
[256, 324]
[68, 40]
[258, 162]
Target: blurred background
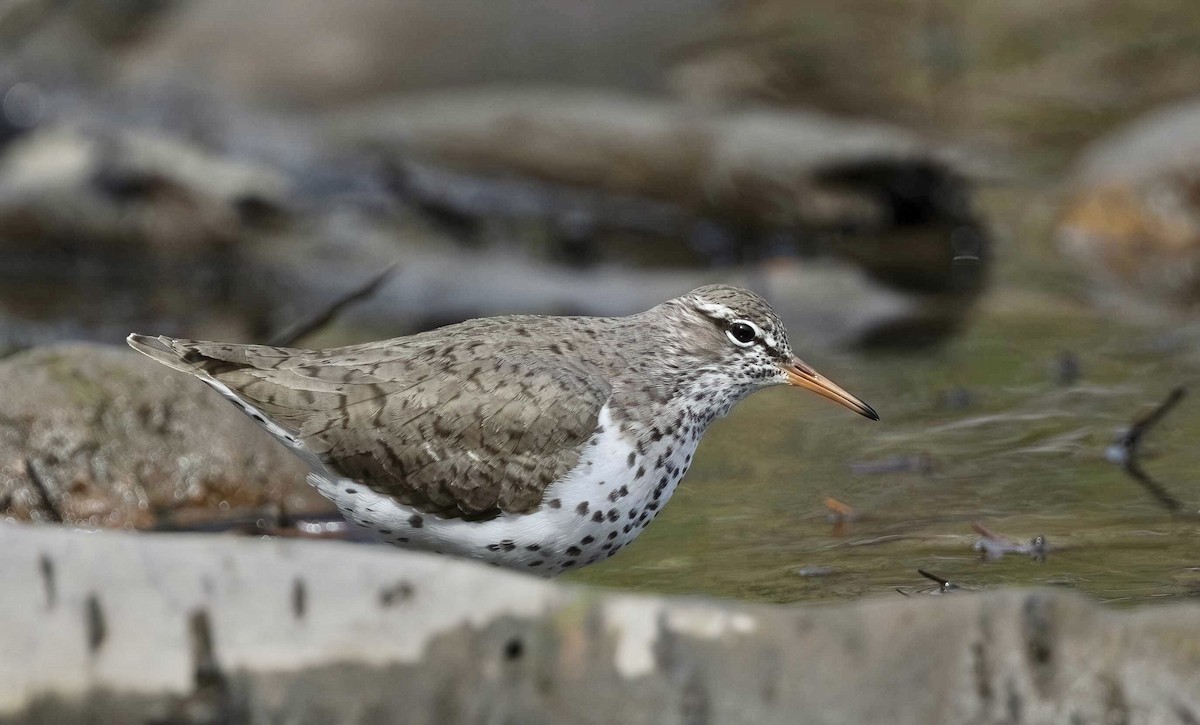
[981, 217]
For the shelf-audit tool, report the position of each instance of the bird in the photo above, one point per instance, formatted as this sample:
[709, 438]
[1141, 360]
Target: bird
[537, 443]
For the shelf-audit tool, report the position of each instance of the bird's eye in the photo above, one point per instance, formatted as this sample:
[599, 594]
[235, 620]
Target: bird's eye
[742, 333]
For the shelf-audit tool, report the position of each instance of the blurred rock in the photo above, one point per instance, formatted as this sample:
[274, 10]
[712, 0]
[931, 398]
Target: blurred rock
[124, 628]
[115, 440]
[103, 225]
[870, 193]
[825, 303]
[311, 53]
[71, 41]
[1023, 73]
[128, 211]
[1132, 216]
[129, 187]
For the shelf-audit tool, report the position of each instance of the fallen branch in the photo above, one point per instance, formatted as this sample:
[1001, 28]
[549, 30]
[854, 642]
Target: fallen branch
[291, 335]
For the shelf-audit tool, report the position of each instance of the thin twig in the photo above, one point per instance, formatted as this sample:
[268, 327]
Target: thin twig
[1130, 444]
[943, 583]
[291, 335]
[1142, 425]
[1154, 488]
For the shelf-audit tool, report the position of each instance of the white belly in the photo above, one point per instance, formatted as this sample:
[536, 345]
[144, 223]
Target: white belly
[587, 516]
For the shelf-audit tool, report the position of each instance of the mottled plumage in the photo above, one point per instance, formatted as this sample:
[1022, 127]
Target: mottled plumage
[491, 426]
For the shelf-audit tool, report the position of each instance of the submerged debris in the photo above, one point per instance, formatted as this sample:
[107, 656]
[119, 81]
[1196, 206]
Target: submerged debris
[994, 546]
[814, 571]
[840, 515]
[1067, 370]
[921, 463]
[839, 511]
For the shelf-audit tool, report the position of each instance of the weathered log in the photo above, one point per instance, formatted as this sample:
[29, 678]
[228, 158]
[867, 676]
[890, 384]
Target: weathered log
[139, 628]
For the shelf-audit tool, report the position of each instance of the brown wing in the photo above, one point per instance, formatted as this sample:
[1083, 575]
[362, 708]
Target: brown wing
[456, 437]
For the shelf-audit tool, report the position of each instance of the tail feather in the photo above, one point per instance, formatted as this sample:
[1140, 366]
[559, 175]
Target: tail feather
[166, 350]
[208, 360]
[198, 356]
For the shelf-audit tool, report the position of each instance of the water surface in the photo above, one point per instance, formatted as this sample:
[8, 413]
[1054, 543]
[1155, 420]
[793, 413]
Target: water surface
[991, 427]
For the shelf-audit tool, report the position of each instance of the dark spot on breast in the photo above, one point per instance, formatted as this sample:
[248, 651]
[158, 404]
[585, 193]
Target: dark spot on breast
[587, 540]
[533, 547]
[573, 551]
[598, 516]
[568, 563]
[641, 471]
[352, 491]
[554, 503]
[582, 508]
[613, 515]
[416, 521]
[632, 459]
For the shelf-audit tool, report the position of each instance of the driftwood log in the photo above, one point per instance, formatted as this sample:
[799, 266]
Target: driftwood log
[164, 628]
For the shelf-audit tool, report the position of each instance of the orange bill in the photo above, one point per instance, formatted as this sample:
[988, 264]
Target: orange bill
[801, 375]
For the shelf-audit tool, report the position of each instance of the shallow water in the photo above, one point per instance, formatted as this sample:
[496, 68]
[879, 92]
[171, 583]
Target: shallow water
[988, 428]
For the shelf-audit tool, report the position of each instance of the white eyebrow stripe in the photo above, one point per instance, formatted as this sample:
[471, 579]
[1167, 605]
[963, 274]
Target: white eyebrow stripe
[723, 313]
[715, 310]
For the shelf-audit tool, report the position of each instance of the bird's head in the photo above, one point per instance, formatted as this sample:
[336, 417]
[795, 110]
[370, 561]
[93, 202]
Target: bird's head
[733, 335]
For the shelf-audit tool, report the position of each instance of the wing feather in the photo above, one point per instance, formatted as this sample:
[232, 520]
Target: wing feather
[471, 437]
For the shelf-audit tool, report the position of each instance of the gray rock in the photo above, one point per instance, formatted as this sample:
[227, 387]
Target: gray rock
[102, 437]
[313, 54]
[1131, 219]
[872, 194]
[103, 226]
[125, 628]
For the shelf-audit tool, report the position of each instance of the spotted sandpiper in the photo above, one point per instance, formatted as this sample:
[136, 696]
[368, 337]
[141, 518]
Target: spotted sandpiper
[539, 443]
